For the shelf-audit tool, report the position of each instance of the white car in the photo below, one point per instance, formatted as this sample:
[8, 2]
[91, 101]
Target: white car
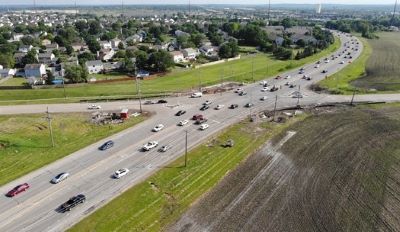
[158, 128]
[238, 90]
[218, 107]
[150, 145]
[288, 77]
[164, 148]
[94, 107]
[207, 102]
[342, 62]
[263, 98]
[204, 126]
[263, 83]
[326, 61]
[316, 66]
[60, 177]
[121, 172]
[183, 122]
[265, 89]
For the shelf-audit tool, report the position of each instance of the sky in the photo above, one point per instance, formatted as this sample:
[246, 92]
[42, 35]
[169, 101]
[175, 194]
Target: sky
[97, 2]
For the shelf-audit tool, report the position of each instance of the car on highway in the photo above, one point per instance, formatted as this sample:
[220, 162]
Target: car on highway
[238, 90]
[196, 95]
[233, 106]
[273, 89]
[106, 145]
[72, 202]
[242, 93]
[149, 145]
[120, 173]
[218, 107]
[204, 107]
[342, 62]
[197, 117]
[263, 98]
[164, 148]
[292, 85]
[180, 113]
[265, 89]
[94, 107]
[297, 94]
[278, 77]
[200, 121]
[263, 83]
[18, 189]
[248, 105]
[150, 102]
[158, 127]
[204, 126]
[324, 71]
[183, 122]
[161, 101]
[60, 177]
[288, 77]
[208, 102]
[316, 66]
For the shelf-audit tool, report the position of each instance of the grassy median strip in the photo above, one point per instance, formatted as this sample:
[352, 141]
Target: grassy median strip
[340, 82]
[25, 143]
[163, 197]
[240, 70]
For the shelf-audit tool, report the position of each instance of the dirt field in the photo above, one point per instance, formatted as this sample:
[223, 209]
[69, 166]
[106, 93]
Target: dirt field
[337, 171]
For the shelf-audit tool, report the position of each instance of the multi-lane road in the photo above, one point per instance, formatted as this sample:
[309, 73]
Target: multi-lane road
[91, 169]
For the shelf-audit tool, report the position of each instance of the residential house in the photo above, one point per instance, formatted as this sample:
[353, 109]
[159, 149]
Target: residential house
[79, 46]
[179, 33]
[177, 56]
[136, 38]
[109, 66]
[18, 56]
[46, 42]
[51, 47]
[25, 48]
[8, 72]
[94, 66]
[190, 53]
[35, 70]
[206, 50]
[105, 44]
[115, 43]
[105, 54]
[17, 37]
[46, 58]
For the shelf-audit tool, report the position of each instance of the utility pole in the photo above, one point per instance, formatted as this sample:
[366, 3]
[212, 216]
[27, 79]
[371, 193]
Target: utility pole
[65, 94]
[48, 117]
[76, 10]
[252, 68]
[298, 98]
[221, 79]
[352, 98]
[139, 93]
[276, 100]
[269, 11]
[394, 13]
[189, 10]
[186, 147]
[199, 77]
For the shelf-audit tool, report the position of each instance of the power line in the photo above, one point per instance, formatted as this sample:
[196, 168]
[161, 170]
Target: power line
[269, 10]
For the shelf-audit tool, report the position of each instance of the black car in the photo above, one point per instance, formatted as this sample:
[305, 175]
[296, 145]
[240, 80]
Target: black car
[204, 107]
[242, 93]
[324, 71]
[72, 202]
[162, 101]
[179, 113]
[248, 105]
[106, 145]
[234, 106]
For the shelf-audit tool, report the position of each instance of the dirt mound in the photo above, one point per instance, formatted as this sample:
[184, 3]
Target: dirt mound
[339, 172]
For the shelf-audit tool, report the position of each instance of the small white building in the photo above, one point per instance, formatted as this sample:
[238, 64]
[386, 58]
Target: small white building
[25, 48]
[115, 43]
[105, 54]
[190, 53]
[177, 56]
[46, 42]
[94, 66]
[105, 44]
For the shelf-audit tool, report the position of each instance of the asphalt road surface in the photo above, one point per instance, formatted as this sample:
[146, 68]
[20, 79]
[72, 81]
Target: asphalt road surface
[91, 169]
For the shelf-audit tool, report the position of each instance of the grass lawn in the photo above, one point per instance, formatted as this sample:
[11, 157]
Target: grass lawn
[25, 144]
[163, 197]
[16, 81]
[376, 70]
[176, 81]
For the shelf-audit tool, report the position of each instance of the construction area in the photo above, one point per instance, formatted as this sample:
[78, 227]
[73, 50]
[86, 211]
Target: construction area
[337, 170]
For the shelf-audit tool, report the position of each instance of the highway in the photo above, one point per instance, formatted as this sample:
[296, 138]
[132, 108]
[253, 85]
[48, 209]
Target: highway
[91, 169]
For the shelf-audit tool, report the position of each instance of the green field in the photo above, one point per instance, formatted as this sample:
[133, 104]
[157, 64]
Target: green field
[375, 70]
[25, 144]
[176, 81]
[163, 197]
[17, 81]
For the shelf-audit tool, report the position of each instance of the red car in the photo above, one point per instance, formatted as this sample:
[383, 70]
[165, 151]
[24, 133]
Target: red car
[18, 189]
[197, 117]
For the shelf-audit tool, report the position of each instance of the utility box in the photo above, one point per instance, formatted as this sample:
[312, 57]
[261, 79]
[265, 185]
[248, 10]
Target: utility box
[124, 114]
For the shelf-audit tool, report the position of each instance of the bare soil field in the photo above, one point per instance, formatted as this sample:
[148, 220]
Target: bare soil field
[336, 171]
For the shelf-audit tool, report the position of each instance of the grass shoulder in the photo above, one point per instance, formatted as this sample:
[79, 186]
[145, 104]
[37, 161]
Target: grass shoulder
[25, 144]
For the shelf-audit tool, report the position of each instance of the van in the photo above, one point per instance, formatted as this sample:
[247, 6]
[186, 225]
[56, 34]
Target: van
[197, 94]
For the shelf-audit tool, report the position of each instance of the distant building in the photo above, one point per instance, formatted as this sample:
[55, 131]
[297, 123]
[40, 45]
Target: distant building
[35, 70]
[206, 50]
[177, 56]
[190, 53]
[105, 54]
[46, 42]
[46, 58]
[25, 48]
[94, 66]
[18, 56]
[105, 44]
[51, 47]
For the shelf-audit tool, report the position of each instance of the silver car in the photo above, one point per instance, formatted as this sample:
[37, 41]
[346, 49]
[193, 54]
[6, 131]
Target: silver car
[60, 177]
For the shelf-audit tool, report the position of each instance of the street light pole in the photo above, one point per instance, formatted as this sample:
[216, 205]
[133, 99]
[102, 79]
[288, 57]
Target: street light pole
[48, 117]
[139, 93]
[298, 98]
[186, 146]
[65, 94]
[276, 100]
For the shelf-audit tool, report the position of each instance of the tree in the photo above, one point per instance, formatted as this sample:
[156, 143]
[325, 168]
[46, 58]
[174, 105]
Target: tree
[252, 35]
[160, 61]
[93, 45]
[30, 58]
[94, 27]
[229, 49]
[128, 66]
[197, 39]
[7, 60]
[121, 46]
[76, 73]
[81, 26]
[141, 59]
[86, 56]
[50, 78]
